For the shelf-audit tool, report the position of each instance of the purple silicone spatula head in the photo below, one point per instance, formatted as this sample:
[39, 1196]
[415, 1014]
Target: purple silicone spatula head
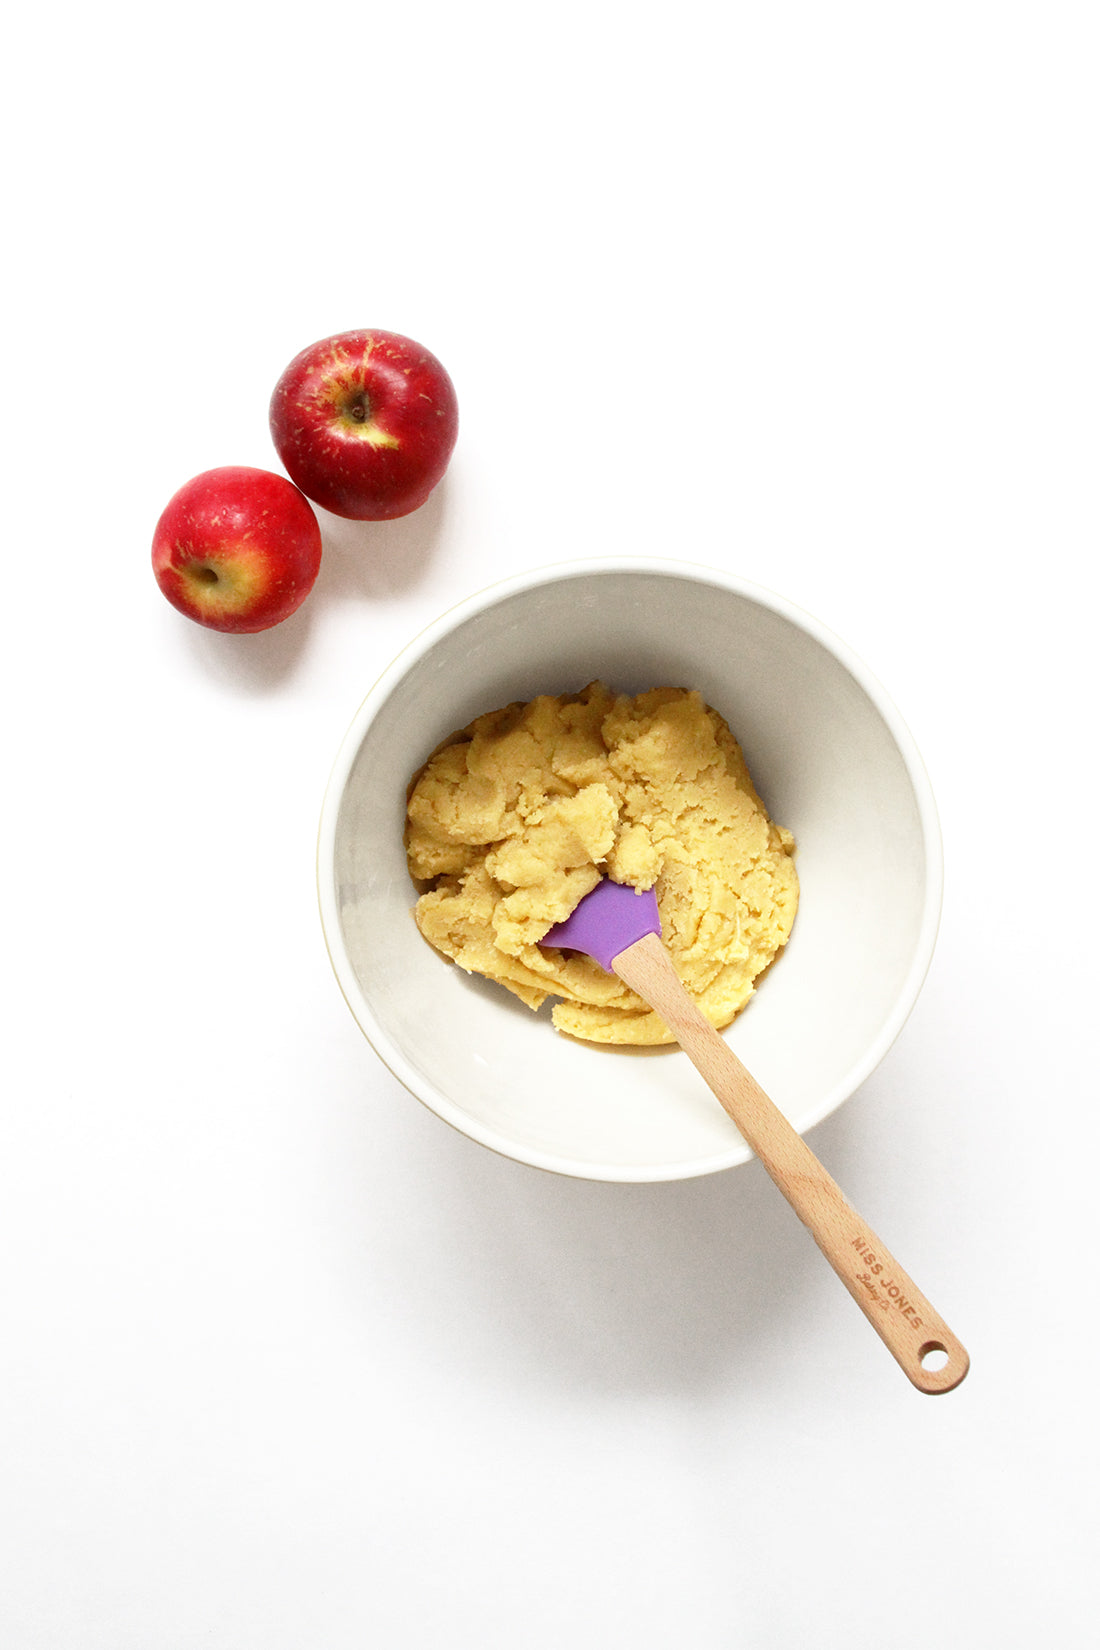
[606, 921]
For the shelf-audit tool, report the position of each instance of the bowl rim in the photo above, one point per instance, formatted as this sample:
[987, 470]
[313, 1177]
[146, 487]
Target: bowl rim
[556, 572]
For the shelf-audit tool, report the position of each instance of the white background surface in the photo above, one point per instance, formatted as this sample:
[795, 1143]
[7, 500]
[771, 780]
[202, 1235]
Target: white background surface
[806, 292]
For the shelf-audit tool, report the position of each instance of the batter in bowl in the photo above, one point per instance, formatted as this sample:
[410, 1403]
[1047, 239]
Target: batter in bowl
[516, 818]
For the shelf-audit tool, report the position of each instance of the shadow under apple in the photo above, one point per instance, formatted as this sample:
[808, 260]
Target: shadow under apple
[376, 559]
[258, 663]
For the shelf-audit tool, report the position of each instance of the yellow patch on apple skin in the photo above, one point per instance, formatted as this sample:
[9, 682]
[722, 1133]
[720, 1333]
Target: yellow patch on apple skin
[370, 433]
[227, 584]
[346, 390]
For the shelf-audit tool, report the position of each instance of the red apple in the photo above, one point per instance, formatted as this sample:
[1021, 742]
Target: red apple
[237, 549]
[365, 424]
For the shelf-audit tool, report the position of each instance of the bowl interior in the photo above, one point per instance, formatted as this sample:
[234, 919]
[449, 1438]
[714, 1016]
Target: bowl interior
[833, 764]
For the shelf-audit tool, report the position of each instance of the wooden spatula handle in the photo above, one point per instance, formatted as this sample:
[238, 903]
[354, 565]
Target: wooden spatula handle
[932, 1357]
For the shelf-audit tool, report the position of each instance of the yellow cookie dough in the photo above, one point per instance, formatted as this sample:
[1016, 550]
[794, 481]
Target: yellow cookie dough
[517, 817]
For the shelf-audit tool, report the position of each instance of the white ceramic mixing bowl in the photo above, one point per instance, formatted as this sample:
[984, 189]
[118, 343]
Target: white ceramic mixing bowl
[833, 762]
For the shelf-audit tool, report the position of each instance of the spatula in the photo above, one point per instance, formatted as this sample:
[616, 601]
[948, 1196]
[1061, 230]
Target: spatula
[621, 929]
